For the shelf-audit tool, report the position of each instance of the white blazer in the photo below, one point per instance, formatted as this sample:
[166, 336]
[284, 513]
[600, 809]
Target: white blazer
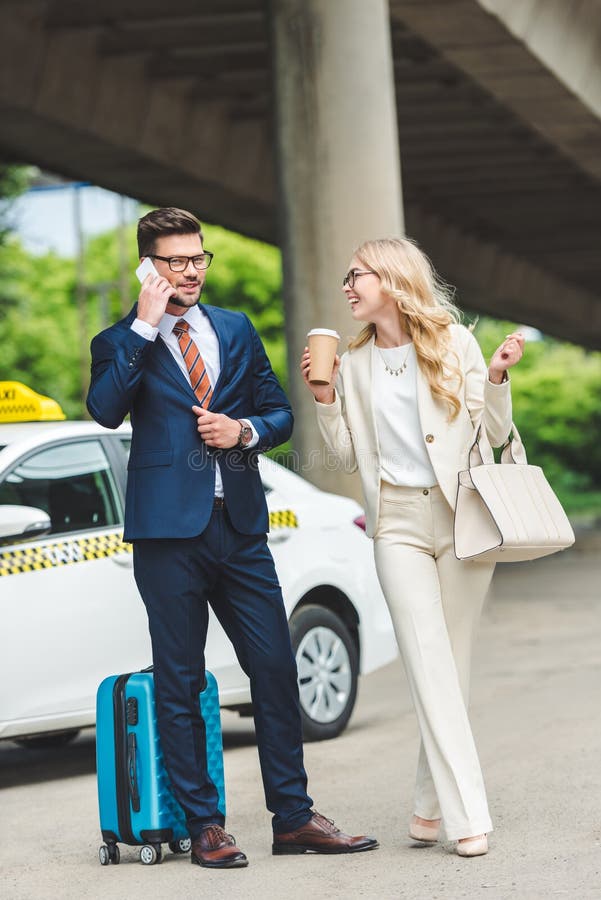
[348, 425]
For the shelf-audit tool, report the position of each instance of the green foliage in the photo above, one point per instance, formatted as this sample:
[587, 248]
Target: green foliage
[246, 275]
[13, 181]
[556, 387]
[40, 329]
[556, 390]
[38, 325]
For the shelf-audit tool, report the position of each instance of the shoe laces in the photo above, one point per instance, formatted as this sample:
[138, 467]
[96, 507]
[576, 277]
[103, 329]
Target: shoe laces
[215, 836]
[327, 823]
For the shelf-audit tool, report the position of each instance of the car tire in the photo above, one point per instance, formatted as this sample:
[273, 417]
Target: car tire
[328, 669]
[52, 740]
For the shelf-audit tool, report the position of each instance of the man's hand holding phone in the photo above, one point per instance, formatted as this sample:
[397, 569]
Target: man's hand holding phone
[155, 294]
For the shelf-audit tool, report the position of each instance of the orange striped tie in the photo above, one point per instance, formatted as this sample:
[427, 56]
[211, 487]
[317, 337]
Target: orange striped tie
[199, 378]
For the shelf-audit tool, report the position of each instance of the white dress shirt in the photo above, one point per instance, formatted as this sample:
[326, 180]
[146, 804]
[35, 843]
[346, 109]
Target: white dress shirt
[202, 333]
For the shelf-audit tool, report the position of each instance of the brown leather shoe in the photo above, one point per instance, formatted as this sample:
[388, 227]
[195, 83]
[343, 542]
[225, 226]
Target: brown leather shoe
[320, 835]
[216, 849]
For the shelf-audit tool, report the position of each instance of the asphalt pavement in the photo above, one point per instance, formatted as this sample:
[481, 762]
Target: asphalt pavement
[536, 717]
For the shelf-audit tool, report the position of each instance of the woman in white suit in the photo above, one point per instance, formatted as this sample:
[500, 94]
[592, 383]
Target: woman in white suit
[400, 408]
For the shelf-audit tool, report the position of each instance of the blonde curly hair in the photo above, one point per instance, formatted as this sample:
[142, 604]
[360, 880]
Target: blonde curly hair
[425, 306]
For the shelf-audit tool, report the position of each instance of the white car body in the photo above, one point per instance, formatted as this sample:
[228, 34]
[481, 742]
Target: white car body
[71, 611]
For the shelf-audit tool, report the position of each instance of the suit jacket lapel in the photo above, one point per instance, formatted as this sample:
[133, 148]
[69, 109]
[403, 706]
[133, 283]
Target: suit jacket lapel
[223, 337]
[362, 372]
[162, 354]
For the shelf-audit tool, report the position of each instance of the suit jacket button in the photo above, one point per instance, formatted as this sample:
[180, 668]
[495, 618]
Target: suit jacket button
[429, 438]
[130, 365]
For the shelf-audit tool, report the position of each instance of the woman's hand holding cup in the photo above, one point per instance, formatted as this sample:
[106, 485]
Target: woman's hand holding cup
[320, 363]
[323, 393]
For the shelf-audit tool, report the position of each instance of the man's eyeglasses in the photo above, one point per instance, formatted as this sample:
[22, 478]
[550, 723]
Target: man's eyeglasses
[180, 263]
[350, 277]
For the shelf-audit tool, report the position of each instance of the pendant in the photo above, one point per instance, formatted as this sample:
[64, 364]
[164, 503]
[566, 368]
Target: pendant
[398, 371]
[391, 371]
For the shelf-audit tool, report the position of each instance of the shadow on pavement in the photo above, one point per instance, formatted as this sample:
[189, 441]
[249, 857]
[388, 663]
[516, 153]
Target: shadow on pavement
[21, 766]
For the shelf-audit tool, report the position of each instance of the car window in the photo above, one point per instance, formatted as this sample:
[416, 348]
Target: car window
[71, 482]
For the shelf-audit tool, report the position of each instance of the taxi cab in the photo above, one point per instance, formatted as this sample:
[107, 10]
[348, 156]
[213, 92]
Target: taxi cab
[71, 611]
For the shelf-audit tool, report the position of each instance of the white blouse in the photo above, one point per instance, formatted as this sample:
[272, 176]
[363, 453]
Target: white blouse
[404, 458]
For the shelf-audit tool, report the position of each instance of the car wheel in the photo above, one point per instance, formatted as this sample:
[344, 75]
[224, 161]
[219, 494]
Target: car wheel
[50, 741]
[328, 669]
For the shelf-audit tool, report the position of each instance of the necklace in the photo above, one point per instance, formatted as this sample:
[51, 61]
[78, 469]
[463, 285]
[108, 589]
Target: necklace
[389, 370]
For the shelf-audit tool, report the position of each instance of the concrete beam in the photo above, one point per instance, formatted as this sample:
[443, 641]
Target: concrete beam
[471, 161]
[338, 158]
[540, 58]
[500, 284]
[75, 112]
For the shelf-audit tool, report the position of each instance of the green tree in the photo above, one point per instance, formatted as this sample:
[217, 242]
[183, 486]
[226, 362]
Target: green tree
[40, 327]
[245, 275]
[14, 180]
[556, 389]
[38, 324]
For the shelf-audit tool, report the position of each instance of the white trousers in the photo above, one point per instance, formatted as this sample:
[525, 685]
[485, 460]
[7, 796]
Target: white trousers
[435, 602]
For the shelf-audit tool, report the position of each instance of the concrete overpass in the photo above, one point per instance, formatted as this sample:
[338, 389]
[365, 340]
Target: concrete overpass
[292, 121]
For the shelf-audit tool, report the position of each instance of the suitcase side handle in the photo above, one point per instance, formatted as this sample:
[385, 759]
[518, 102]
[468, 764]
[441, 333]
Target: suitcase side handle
[132, 772]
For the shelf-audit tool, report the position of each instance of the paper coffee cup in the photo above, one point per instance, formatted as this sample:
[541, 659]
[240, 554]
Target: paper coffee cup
[323, 343]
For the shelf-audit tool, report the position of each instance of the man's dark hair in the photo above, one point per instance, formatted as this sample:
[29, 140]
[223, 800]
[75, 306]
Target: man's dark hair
[162, 222]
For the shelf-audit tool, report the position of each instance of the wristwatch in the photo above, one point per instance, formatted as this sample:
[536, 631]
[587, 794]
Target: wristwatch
[246, 434]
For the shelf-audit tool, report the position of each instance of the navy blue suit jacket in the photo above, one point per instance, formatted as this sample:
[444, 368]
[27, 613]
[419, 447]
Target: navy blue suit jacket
[171, 471]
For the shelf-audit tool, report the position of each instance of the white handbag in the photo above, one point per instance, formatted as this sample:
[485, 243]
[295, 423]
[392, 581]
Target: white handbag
[507, 511]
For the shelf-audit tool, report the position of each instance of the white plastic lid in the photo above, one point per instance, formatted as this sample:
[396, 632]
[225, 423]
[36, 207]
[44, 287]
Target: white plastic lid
[327, 331]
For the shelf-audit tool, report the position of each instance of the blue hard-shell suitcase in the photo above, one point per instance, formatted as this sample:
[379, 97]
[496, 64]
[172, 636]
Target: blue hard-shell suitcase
[135, 798]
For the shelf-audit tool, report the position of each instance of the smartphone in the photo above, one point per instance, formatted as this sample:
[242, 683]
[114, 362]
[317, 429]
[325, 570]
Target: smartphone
[146, 268]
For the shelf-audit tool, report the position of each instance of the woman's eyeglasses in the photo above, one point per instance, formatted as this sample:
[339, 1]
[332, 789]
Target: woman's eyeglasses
[350, 277]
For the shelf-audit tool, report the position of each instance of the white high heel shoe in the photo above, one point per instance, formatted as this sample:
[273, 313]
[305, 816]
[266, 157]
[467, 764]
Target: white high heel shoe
[476, 846]
[427, 834]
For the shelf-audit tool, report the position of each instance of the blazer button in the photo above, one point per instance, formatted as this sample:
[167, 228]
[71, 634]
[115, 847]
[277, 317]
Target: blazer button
[429, 438]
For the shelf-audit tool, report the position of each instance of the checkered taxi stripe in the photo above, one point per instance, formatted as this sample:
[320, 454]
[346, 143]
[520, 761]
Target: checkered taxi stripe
[62, 553]
[76, 550]
[283, 518]
[21, 411]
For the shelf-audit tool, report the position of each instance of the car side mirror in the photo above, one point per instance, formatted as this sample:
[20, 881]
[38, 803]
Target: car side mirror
[22, 523]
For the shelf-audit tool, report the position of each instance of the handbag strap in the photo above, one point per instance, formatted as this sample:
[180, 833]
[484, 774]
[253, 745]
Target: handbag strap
[481, 453]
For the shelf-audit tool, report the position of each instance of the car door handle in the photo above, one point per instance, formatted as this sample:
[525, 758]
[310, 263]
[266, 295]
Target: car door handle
[279, 536]
[123, 559]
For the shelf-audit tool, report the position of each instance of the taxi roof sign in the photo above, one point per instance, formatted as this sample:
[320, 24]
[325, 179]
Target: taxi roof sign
[18, 403]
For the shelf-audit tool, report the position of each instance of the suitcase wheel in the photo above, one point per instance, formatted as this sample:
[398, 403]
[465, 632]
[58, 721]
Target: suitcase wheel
[109, 854]
[181, 846]
[150, 854]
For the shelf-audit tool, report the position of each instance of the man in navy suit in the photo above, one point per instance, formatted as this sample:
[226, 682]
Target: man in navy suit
[204, 402]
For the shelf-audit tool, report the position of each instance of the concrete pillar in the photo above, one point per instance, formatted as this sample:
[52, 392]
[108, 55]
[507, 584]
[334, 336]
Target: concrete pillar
[339, 172]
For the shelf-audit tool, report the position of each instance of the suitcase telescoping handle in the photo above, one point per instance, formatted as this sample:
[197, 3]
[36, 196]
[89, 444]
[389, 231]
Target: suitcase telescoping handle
[132, 772]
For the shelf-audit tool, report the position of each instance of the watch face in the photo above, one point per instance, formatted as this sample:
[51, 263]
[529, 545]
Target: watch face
[245, 435]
